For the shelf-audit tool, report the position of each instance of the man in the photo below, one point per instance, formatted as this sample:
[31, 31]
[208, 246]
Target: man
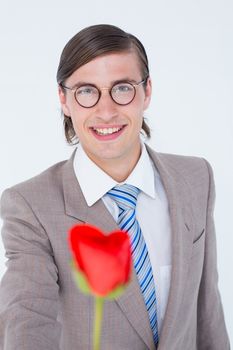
[104, 89]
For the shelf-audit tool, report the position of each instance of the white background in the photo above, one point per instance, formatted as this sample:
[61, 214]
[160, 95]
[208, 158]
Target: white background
[190, 49]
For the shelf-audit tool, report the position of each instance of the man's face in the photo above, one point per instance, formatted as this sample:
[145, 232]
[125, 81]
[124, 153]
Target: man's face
[93, 125]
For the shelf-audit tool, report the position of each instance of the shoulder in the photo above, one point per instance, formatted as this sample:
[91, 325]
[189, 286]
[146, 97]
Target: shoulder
[44, 179]
[190, 176]
[193, 169]
[44, 187]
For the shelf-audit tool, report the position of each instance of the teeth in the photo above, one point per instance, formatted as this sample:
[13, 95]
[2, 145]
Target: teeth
[106, 131]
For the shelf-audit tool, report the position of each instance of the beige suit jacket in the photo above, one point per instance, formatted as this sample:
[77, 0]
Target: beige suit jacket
[40, 306]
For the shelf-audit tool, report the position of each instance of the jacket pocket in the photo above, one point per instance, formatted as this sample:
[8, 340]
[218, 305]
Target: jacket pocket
[199, 243]
[199, 236]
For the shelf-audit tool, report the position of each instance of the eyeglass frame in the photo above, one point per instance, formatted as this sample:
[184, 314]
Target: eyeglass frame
[134, 85]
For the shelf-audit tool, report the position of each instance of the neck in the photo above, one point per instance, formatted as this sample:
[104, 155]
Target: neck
[119, 169]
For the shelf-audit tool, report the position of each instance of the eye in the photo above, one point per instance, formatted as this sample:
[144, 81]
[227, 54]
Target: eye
[87, 90]
[122, 88]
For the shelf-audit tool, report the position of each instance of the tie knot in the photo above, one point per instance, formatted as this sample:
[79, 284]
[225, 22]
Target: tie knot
[125, 196]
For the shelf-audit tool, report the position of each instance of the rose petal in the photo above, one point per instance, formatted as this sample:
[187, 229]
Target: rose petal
[104, 259]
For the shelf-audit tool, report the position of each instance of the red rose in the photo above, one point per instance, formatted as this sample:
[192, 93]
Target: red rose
[103, 260]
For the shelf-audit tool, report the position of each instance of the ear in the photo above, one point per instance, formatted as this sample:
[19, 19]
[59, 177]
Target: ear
[63, 101]
[148, 92]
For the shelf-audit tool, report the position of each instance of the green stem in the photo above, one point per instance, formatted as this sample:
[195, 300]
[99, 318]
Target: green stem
[99, 301]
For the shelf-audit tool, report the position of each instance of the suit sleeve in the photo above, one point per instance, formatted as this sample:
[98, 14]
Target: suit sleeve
[211, 329]
[29, 288]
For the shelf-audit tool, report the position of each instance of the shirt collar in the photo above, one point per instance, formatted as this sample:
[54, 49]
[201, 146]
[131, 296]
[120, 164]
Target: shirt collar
[142, 176]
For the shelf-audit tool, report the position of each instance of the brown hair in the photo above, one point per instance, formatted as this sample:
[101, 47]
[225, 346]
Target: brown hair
[90, 43]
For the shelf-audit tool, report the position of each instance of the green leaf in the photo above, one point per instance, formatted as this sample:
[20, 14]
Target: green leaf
[80, 280]
[116, 293]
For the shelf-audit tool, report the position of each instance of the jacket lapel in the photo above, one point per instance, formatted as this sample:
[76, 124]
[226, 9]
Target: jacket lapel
[131, 302]
[180, 210]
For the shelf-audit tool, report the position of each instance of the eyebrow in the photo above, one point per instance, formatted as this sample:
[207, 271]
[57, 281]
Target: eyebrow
[83, 83]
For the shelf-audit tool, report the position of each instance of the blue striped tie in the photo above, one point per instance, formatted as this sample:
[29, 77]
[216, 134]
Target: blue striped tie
[126, 197]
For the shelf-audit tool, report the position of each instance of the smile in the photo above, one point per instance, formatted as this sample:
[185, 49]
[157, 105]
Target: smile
[107, 131]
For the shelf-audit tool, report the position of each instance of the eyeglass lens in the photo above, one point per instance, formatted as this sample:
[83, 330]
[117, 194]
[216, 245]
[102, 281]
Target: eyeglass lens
[88, 95]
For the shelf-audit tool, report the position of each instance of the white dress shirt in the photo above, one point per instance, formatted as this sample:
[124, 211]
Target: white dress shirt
[151, 211]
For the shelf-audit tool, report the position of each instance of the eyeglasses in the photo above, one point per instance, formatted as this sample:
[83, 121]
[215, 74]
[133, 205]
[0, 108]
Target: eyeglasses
[88, 96]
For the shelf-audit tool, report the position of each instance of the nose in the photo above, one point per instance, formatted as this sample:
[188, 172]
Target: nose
[106, 107]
